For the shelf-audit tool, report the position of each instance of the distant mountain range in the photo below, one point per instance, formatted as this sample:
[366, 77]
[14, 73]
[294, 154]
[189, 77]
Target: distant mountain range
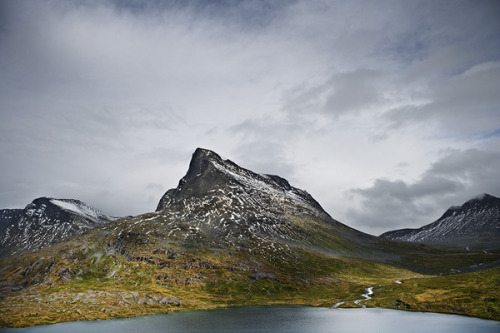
[228, 236]
[44, 222]
[229, 204]
[476, 222]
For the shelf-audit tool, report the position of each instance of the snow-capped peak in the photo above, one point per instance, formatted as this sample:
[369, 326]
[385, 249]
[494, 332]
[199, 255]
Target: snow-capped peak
[44, 222]
[477, 219]
[80, 208]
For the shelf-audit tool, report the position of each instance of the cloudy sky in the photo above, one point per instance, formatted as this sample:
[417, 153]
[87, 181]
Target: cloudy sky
[387, 112]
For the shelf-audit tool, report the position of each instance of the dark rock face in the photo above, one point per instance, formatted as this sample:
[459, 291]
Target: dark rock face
[476, 220]
[226, 204]
[44, 222]
[7, 216]
[208, 171]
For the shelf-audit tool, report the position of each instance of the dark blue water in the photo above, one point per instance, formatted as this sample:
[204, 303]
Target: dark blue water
[278, 319]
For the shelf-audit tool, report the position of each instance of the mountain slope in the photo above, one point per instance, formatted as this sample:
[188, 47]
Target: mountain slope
[231, 206]
[7, 216]
[224, 236]
[476, 221]
[44, 222]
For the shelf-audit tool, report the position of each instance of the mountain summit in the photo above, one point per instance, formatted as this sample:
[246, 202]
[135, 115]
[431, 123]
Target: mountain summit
[224, 236]
[227, 203]
[208, 171]
[476, 221]
[44, 222]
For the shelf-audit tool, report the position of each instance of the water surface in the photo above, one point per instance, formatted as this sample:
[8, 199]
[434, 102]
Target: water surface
[279, 319]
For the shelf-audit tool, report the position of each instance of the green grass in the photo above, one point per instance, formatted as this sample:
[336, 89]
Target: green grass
[200, 280]
[259, 274]
[473, 294]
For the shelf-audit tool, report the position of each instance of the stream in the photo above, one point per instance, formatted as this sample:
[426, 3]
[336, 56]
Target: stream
[368, 293]
[366, 296]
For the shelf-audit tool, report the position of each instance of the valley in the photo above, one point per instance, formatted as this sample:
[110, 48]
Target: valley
[226, 236]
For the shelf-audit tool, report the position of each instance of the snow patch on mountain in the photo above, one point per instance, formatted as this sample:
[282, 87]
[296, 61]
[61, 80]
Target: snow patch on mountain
[82, 209]
[44, 222]
[223, 204]
[476, 219]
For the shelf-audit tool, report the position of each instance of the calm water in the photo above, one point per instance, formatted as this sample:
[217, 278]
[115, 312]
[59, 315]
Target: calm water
[277, 319]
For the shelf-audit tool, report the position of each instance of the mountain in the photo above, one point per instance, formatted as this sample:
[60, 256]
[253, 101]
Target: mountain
[7, 216]
[228, 236]
[228, 205]
[476, 221]
[44, 222]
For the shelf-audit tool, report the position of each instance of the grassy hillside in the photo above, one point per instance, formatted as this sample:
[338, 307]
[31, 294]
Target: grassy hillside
[80, 281]
[154, 263]
[113, 286]
[474, 294]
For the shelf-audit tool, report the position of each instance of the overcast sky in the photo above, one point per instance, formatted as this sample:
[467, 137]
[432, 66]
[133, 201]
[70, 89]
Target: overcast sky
[387, 112]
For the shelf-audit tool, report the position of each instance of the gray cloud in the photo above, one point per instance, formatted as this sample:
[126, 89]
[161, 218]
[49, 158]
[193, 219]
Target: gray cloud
[105, 101]
[464, 104]
[431, 63]
[343, 93]
[453, 179]
[266, 144]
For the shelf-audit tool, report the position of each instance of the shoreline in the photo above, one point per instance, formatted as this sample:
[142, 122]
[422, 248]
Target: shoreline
[14, 329]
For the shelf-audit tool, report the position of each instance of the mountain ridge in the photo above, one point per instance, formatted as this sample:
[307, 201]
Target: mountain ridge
[44, 222]
[224, 200]
[475, 221]
[227, 236]
[206, 161]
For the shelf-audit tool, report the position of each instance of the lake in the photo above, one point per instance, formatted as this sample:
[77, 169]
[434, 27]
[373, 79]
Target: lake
[277, 319]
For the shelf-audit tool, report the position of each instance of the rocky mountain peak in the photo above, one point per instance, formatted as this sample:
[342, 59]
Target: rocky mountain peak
[224, 204]
[201, 161]
[46, 221]
[481, 202]
[208, 173]
[205, 154]
[483, 199]
[477, 220]
[39, 201]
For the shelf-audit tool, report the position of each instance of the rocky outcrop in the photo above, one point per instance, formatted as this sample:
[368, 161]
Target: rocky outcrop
[476, 221]
[232, 206]
[44, 222]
